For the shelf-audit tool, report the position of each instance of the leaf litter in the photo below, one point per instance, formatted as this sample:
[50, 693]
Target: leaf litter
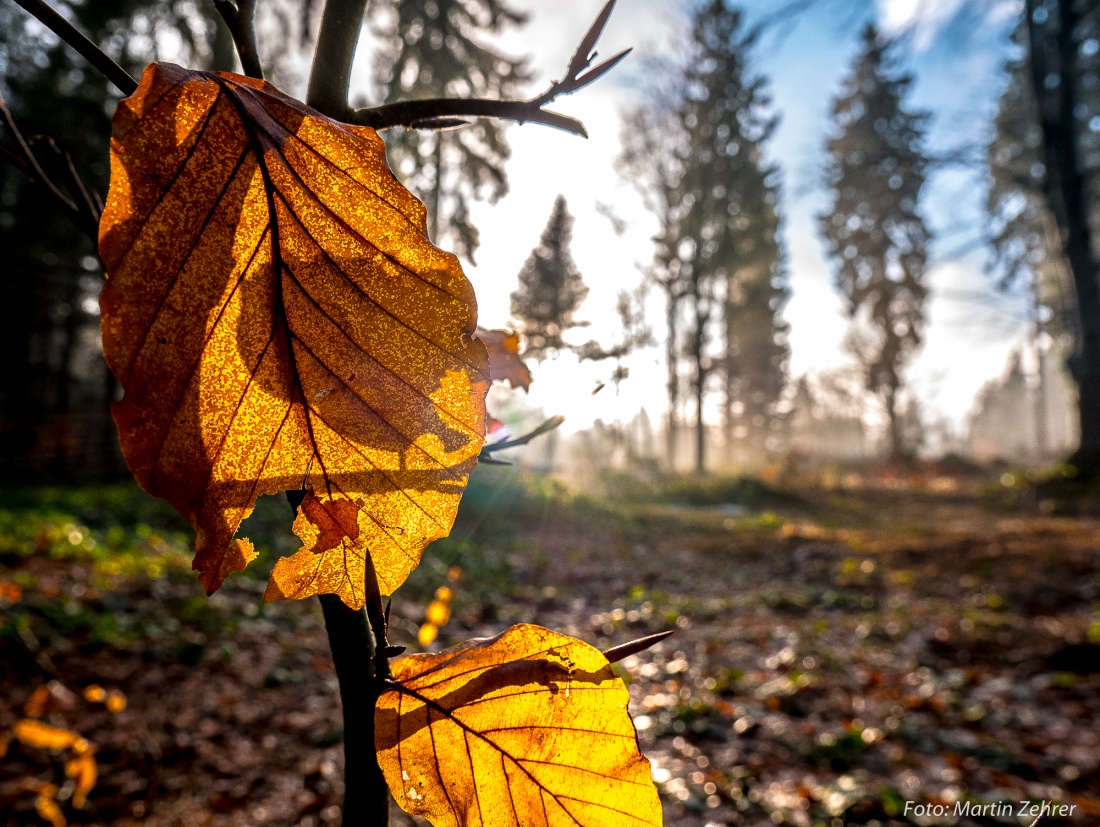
[856, 649]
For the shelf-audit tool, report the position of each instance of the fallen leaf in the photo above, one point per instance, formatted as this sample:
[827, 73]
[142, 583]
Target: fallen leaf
[116, 701]
[526, 728]
[84, 773]
[49, 697]
[438, 613]
[504, 361]
[43, 736]
[427, 634]
[10, 593]
[47, 808]
[277, 316]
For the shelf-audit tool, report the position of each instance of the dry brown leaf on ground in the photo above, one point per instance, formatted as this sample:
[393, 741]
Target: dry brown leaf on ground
[276, 316]
[525, 729]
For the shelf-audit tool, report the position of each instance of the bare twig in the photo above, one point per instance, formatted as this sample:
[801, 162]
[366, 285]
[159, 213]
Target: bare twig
[378, 615]
[77, 204]
[331, 71]
[439, 113]
[240, 17]
[488, 451]
[625, 650]
[428, 113]
[48, 17]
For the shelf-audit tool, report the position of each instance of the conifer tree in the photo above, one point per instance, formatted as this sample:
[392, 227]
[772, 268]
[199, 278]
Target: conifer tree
[718, 257]
[550, 288]
[1063, 64]
[876, 169]
[434, 49]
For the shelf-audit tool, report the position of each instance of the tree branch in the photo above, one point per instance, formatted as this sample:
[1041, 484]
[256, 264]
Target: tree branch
[78, 205]
[366, 794]
[240, 17]
[442, 113]
[48, 17]
[330, 74]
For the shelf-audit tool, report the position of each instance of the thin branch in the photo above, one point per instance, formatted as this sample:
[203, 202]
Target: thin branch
[330, 74]
[547, 426]
[48, 17]
[366, 795]
[440, 113]
[379, 618]
[436, 113]
[240, 17]
[85, 213]
[633, 647]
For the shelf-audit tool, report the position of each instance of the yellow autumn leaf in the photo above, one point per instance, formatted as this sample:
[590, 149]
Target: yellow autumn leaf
[427, 634]
[82, 769]
[277, 316]
[46, 806]
[36, 734]
[438, 613]
[526, 729]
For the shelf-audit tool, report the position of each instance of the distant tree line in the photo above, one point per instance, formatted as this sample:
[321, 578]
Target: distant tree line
[697, 150]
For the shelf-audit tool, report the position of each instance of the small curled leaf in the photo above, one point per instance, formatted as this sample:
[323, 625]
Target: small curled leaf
[504, 362]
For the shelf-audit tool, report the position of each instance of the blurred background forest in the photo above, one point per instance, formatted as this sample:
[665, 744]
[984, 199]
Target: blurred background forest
[819, 301]
[880, 256]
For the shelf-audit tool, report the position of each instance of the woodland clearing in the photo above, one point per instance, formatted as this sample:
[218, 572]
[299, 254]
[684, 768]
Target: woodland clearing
[843, 644]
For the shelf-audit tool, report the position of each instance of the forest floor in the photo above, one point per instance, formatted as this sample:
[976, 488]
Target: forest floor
[842, 646]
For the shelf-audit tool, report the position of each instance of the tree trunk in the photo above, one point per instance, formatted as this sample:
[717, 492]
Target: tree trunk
[1067, 197]
[673, 382]
[700, 428]
[366, 796]
[897, 443]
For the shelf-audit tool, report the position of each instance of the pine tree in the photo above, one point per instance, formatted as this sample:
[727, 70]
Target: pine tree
[879, 242]
[431, 49]
[735, 265]
[718, 257]
[550, 288]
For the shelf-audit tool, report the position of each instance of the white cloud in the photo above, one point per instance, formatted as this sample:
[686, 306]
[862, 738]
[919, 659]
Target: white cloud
[925, 18]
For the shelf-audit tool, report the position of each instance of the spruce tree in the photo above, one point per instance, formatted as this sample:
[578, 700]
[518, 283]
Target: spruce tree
[550, 288]
[433, 48]
[876, 169]
[697, 157]
[720, 248]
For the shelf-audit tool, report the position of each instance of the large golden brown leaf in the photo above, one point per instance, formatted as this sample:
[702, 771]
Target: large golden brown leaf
[527, 729]
[277, 316]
